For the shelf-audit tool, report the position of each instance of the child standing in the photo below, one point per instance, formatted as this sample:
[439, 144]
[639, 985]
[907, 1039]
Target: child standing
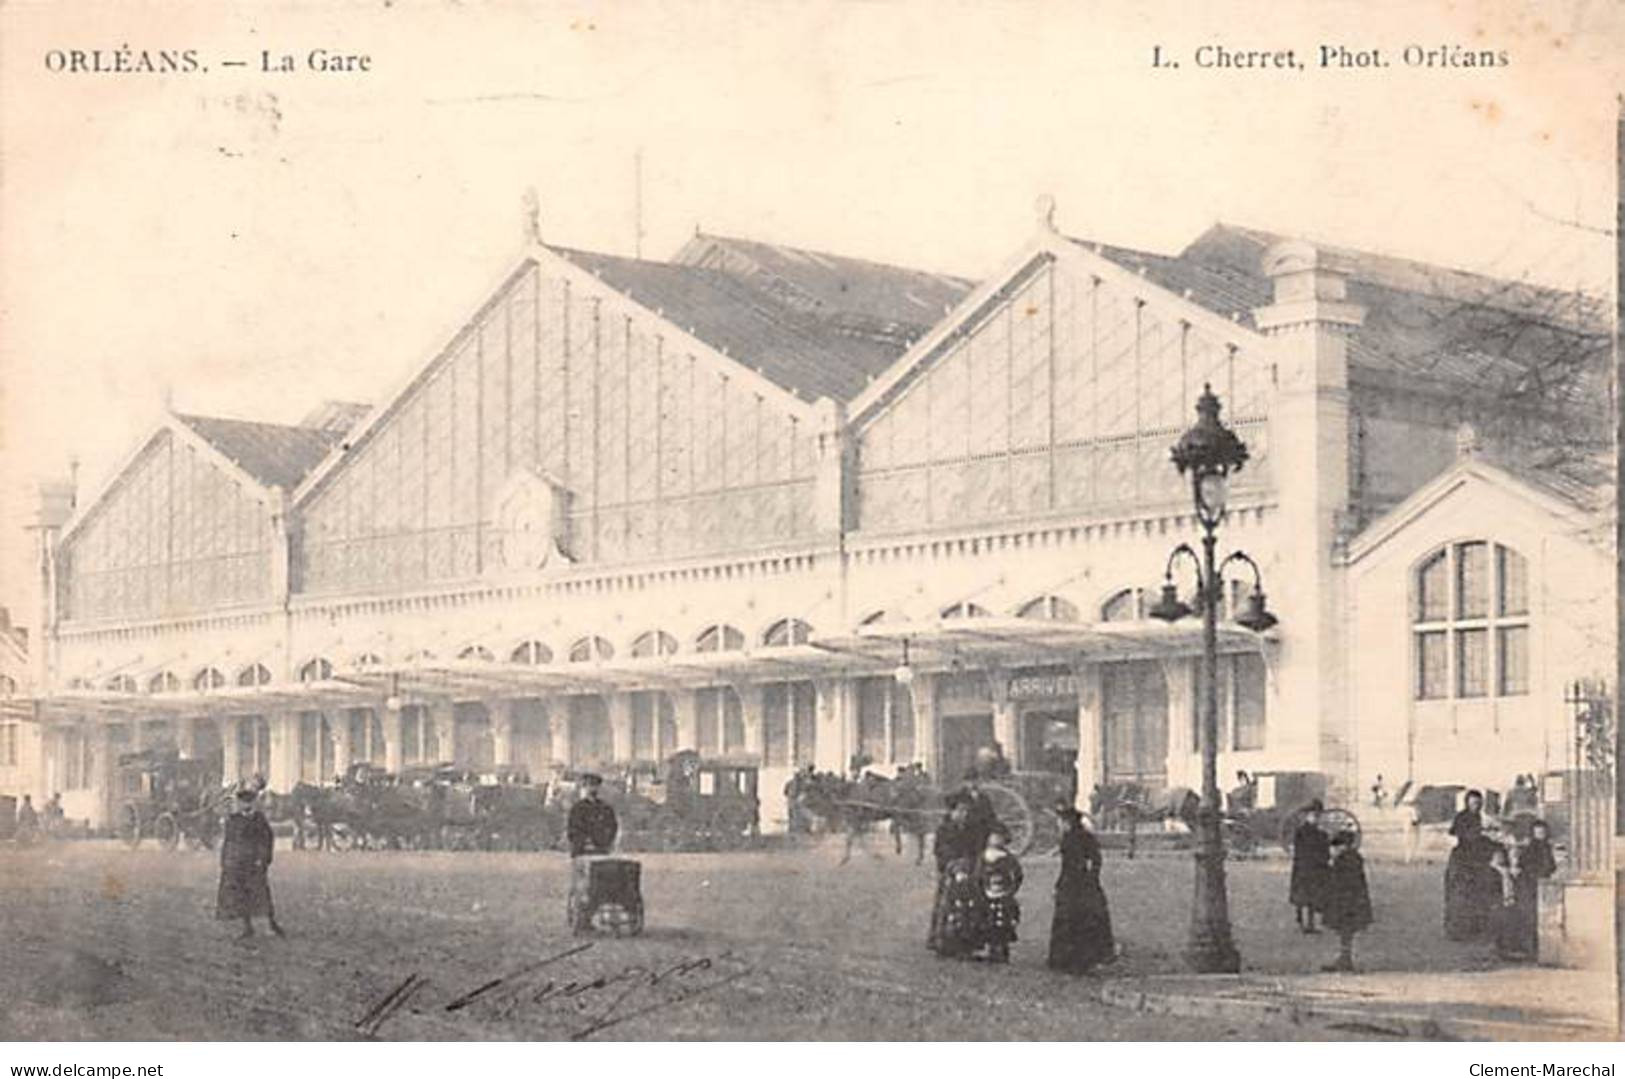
[1348, 899]
[964, 911]
[1001, 880]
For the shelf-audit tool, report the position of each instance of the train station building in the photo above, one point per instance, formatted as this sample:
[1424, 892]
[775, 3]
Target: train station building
[790, 508]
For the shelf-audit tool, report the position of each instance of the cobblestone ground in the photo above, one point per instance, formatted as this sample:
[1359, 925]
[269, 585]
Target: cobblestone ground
[102, 942]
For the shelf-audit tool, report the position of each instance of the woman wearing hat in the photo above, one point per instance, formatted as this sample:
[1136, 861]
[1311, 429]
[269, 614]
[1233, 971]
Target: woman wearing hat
[956, 843]
[1472, 888]
[1080, 936]
[245, 860]
[1311, 863]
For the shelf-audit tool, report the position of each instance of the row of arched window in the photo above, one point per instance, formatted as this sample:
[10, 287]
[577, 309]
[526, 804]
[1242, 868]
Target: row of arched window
[1127, 604]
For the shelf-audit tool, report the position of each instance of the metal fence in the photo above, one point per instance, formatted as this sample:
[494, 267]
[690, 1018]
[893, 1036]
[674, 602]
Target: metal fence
[1591, 766]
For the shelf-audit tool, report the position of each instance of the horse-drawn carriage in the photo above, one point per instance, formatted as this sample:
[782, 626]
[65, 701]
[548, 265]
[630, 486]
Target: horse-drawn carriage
[911, 803]
[170, 799]
[687, 802]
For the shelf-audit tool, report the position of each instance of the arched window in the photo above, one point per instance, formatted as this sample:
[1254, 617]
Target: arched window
[80, 683]
[532, 654]
[965, 610]
[420, 655]
[317, 670]
[8, 686]
[1470, 622]
[656, 642]
[208, 678]
[591, 649]
[1126, 606]
[477, 651]
[164, 682]
[1051, 608]
[255, 674]
[719, 638]
[367, 661]
[121, 683]
[786, 632]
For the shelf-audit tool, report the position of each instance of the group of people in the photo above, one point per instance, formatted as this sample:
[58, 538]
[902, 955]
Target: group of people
[1492, 885]
[977, 912]
[1328, 881]
[32, 823]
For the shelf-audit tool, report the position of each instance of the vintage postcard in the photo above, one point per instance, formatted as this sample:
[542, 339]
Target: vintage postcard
[817, 521]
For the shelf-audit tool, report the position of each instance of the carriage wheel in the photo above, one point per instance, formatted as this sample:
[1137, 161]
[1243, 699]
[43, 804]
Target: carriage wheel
[167, 830]
[129, 827]
[1013, 811]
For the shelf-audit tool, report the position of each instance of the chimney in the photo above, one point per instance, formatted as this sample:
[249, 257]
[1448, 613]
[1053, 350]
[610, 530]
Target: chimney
[56, 503]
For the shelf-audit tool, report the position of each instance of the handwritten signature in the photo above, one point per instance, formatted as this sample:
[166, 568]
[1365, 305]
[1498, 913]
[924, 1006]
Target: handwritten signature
[584, 1002]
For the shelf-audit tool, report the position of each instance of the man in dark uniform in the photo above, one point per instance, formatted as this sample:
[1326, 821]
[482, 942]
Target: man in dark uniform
[592, 826]
[591, 830]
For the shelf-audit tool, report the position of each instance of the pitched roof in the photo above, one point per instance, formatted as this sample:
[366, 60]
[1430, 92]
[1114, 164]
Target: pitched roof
[1423, 322]
[847, 290]
[816, 325]
[274, 454]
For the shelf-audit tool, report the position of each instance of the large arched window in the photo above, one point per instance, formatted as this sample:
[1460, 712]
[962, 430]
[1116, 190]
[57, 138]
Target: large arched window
[965, 610]
[164, 682]
[1052, 608]
[367, 661]
[477, 652]
[656, 642]
[785, 632]
[317, 670]
[531, 654]
[121, 683]
[208, 678]
[719, 639]
[255, 674]
[1126, 606]
[591, 649]
[1470, 622]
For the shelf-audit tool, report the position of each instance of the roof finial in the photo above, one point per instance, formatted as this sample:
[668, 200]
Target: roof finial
[533, 217]
[1467, 443]
[1044, 206]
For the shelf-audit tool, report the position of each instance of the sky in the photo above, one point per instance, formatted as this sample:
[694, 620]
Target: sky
[250, 243]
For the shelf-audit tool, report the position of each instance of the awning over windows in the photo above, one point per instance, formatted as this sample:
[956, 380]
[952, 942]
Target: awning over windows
[877, 648]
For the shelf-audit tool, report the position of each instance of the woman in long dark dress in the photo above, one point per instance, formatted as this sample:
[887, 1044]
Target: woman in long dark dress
[1311, 863]
[245, 860]
[1517, 931]
[1080, 936]
[954, 843]
[1472, 888]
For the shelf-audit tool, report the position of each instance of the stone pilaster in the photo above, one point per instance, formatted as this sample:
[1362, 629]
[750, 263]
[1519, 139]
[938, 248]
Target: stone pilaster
[1309, 323]
[284, 728]
[620, 726]
[443, 720]
[501, 713]
[231, 762]
[686, 703]
[394, 724]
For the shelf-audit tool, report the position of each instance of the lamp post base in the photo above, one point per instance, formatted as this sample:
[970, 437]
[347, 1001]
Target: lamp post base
[1211, 950]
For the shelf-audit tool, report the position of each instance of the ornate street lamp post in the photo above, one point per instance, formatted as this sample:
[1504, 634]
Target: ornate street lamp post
[1210, 452]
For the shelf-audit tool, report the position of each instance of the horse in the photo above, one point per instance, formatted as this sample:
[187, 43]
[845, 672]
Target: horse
[1125, 806]
[853, 806]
